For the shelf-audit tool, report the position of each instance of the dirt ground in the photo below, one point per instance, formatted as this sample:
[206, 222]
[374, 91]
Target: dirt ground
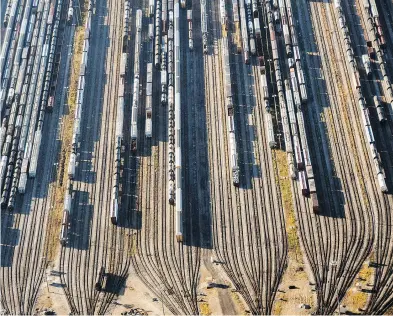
[289, 302]
[218, 300]
[51, 295]
[136, 295]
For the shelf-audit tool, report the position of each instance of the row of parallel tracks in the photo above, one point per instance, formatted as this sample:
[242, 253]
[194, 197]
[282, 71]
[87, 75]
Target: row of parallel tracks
[168, 268]
[93, 241]
[249, 241]
[248, 222]
[382, 293]
[349, 199]
[23, 232]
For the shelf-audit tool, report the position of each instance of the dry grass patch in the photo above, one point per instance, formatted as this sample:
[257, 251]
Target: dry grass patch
[277, 308]
[204, 309]
[287, 201]
[355, 298]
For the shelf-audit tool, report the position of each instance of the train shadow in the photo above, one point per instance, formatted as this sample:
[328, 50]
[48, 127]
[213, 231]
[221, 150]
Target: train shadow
[7, 255]
[331, 199]
[10, 238]
[85, 167]
[80, 221]
[129, 216]
[329, 187]
[113, 283]
[197, 216]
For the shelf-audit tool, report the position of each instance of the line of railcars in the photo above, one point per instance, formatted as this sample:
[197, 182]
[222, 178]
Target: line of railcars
[178, 151]
[72, 163]
[371, 7]
[233, 155]
[149, 78]
[204, 26]
[149, 100]
[266, 104]
[298, 86]
[223, 16]
[7, 13]
[190, 37]
[376, 51]
[244, 34]
[135, 94]
[236, 21]
[27, 59]
[250, 27]
[171, 108]
[157, 38]
[292, 96]
[280, 92]
[355, 78]
[164, 17]
[164, 70]
[119, 136]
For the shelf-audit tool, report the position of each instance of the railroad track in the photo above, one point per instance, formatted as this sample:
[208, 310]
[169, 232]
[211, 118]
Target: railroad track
[382, 292]
[242, 239]
[168, 268]
[146, 188]
[19, 293]
[105, 245]
[352, 253]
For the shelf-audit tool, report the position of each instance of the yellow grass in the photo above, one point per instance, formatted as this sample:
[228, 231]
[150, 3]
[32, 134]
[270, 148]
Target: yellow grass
[354, 298]
[204, 309]
[366, 272]
[277, 308]
[287, 201]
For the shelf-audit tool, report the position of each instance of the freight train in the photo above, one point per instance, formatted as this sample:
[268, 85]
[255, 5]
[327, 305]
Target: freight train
[135, 96]
[233, 155]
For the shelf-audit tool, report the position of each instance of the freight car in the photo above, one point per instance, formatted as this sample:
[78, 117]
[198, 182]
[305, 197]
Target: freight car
[149, 100]
[380, 109]
[70, 12]
[204, 26]
[65, 223]
[135, 99]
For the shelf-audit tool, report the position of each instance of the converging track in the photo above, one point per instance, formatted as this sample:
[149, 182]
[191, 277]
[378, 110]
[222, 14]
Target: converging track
[248, 222]
[93, 242]
[24, 232]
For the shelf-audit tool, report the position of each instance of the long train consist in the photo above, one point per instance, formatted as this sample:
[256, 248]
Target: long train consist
[355, 78]
[292, 96]
[204, 26]
[67, 209]
[171, 109]
[233, 155]
[178, 152]
[117, 168]
[26, 69]
[377, 43]
[135, 93]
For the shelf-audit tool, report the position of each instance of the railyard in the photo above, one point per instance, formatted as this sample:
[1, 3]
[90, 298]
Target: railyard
[147, 139]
